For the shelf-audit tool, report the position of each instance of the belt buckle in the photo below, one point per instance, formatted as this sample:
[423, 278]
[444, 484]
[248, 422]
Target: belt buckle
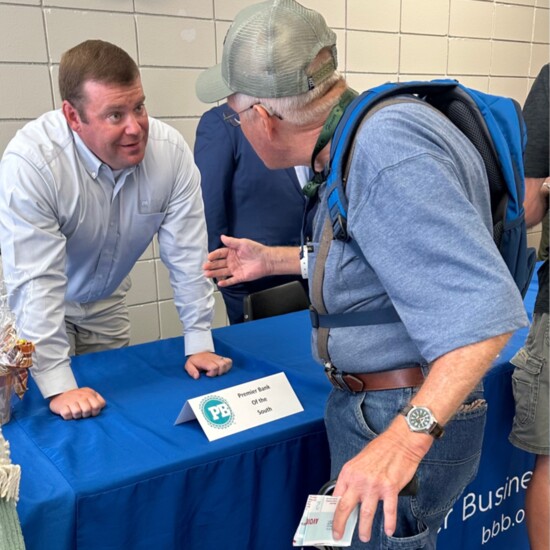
[330, 371]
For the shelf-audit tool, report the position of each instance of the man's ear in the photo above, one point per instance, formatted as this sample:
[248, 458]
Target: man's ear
[72, 116]
[266, 120]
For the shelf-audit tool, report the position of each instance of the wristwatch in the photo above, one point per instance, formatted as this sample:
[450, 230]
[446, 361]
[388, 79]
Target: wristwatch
[422, 420]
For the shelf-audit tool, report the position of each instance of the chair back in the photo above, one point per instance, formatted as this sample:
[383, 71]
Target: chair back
[277, 300]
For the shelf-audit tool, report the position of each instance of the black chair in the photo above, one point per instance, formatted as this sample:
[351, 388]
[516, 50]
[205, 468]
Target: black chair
[277, 300]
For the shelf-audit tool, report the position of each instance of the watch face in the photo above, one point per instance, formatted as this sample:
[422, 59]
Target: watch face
[420, 418]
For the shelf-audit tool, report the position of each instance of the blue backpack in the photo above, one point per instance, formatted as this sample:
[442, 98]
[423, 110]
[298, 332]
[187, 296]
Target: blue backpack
[495, 126]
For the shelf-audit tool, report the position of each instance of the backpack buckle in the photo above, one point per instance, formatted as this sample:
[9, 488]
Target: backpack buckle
[330, 371]
[314, 317]
[340, 228]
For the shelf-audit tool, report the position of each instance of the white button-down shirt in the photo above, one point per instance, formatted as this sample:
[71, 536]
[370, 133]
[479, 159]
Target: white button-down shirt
[71, 229]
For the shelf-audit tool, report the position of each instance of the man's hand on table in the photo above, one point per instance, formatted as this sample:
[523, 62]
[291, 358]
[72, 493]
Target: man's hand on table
[208, 362]
[77, 403]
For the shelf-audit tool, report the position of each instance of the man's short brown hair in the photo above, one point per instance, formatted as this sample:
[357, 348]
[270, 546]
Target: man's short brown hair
[94, 60]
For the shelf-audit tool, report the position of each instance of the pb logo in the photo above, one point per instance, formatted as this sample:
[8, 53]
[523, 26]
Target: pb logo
[217, 411]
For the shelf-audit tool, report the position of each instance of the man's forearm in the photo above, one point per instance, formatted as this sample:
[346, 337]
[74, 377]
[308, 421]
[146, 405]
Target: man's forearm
[454, 375]
[284, 260]
[451, 379]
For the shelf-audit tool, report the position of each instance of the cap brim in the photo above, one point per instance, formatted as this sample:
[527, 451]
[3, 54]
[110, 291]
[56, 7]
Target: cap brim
[210, 86]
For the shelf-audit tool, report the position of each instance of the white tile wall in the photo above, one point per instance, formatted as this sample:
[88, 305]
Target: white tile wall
[106, 5]
[539, 56]
[342, 48]
[541, 26]
[509, 86]
[175, 41]
[144, 289]
[480, 83]
[8, 128]
[164, 289]
[171, 92]
[65, 28]
[469, 56]
[362, 81]
[372, 52]
[334, 11]
[423, 54]
[25, 91]
[17, 23]
[374, 15]
[185, 126]
[181, 8]
[425, 16]
[513, 23]
[471, 18]
[227, 10]
[510, 59]
[221, 30]
[494, 45]
[28, 2]
[144, 323]
[524, 2]
[170, 325]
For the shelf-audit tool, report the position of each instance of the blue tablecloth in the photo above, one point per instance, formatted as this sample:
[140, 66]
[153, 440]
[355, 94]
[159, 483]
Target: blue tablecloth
[490, 514]
[130, 479]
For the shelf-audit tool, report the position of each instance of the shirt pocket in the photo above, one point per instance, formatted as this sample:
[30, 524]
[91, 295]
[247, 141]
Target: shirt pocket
[144, 228]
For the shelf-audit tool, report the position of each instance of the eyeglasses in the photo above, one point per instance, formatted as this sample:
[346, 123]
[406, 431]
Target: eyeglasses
[234, 118]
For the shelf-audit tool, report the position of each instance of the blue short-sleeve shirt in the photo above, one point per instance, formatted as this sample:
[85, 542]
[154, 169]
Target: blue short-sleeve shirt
[419, 215]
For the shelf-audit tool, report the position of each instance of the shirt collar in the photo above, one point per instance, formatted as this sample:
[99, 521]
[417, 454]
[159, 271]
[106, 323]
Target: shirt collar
[92, 164]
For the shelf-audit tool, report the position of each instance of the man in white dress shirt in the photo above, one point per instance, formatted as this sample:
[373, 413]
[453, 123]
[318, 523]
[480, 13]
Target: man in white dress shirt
[83, 191]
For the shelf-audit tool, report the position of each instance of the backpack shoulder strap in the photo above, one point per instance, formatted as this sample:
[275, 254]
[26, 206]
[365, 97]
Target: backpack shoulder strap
[344, 137]
[320, 319]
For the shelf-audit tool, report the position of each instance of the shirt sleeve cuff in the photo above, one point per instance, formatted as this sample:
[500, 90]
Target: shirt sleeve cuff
[56, 381]
[197, 342]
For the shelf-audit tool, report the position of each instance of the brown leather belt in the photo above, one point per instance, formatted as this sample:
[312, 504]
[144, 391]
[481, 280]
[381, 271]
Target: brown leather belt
[408, 377]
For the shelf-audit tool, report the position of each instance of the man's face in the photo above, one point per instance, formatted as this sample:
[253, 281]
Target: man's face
[115, 124]
[253, 130]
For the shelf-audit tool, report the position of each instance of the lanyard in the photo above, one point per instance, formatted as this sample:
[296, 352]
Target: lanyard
[311, 187]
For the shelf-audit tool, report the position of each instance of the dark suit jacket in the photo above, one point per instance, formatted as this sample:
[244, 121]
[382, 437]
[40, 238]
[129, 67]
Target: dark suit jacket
[243, 198]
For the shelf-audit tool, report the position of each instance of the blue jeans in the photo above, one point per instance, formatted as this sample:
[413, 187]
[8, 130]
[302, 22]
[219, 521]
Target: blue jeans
[352, 420]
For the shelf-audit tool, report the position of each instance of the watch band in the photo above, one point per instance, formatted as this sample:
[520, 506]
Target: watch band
[304, 250]
[304, 262]
[436, 430]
